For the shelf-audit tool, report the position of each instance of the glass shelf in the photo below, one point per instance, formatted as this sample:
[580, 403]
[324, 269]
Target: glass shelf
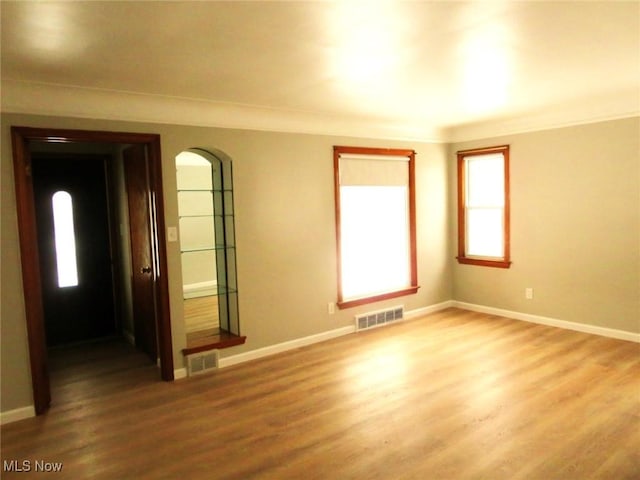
[224, 290]
[208, 249]
[207, 232]
[219, 215]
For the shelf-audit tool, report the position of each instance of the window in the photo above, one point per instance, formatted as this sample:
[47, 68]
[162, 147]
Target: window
[65, 239]
[483, 207]
[375, 224]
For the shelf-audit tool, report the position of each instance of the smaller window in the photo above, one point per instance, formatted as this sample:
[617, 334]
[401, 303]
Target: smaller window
[65, 239]
[483, 207]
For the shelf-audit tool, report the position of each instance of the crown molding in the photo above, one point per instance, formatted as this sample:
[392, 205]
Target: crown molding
[81, 102]
[615, 106]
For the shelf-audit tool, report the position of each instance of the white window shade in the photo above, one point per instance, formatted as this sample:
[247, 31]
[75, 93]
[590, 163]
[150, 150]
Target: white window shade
[371, 170]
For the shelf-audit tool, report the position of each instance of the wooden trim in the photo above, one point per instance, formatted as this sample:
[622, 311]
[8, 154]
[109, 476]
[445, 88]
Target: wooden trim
[30, 263]
[462, 200]
[413, 256]
[484, 262]
[483, 151]
[222, 340]
[54, 135]
[21, 136]
[399, 152]
[336, 185]
[505, 261]
[165, 346]
[377, 298]
[413, 252]
[507, 208]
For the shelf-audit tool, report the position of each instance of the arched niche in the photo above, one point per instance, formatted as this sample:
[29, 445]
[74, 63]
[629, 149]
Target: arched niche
[207, 248]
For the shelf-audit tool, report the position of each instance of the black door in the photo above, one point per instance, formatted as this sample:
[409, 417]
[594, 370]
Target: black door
[82, 310]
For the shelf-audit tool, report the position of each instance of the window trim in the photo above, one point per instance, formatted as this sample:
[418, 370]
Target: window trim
[413, 287]
[463, 258]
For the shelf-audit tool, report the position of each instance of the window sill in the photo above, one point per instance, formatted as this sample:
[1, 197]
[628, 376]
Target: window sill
[212, 340]
[484, 262]
[377, 298]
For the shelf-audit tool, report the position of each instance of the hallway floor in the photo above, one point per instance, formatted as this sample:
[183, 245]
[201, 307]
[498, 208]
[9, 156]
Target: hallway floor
[94, 370]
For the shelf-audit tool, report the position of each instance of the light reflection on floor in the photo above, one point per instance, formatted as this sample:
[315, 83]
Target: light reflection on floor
[383, 367]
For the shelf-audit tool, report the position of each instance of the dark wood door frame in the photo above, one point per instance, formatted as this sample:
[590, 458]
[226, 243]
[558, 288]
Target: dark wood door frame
[20, 137]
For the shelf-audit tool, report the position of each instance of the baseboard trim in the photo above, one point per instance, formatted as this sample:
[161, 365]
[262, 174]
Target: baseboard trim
[417, 313]
[320, 337]
[283, 347]
[552, 322]
[420, 312]
[17, 414]
[179, 373]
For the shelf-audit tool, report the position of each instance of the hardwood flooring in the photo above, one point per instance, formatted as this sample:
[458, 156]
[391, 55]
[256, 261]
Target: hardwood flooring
[201, 313]
[454, 395]
[94, 371]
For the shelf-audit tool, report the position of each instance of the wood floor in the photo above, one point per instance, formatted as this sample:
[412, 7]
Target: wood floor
[454, 395]
[94, 371]
[201, 313]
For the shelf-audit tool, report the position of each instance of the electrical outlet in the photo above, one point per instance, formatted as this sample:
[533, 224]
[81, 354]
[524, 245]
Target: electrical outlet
[331, 308]
[528, 293]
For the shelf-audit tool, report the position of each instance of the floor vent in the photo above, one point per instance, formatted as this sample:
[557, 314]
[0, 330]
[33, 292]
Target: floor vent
[379, 318]
[198, 363]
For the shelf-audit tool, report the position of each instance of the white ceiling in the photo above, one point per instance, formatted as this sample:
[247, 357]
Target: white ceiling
[436, 71]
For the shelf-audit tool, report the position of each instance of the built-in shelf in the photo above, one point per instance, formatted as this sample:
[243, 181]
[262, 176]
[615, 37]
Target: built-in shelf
[206, 220]
[211, 340]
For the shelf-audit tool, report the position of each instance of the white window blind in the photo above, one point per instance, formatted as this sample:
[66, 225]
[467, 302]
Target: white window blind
[371, 170]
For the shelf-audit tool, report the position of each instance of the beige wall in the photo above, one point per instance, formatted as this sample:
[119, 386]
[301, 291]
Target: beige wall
[575, 227]
[284, 227]
[575, 232]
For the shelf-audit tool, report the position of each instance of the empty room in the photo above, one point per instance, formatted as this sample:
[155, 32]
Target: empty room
[341, 239]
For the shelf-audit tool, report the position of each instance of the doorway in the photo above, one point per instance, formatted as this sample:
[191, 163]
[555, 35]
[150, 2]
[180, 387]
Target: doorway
[72, 220]
[156, 306]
